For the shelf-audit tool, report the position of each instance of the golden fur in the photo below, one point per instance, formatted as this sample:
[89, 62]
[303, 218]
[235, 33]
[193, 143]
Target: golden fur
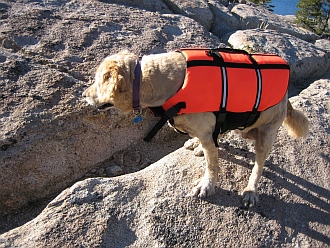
[162, 76]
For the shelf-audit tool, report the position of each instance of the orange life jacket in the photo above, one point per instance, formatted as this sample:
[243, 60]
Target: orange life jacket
[232, 80]
[233, 84]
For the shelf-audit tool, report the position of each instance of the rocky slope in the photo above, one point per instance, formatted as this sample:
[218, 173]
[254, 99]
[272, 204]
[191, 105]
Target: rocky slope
[152, 207]
[49, 138]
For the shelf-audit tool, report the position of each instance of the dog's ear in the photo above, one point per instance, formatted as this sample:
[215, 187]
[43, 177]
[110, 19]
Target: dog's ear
[124, 72]
[118, 76]
[119, 71]
[110, 71]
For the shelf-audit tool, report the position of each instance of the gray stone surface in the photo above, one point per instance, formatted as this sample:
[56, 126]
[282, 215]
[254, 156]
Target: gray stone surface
[305, 59]
[224, 21]
[252, 17]
[323, 45]
[152, 207]
[49, 138]
[195, 9]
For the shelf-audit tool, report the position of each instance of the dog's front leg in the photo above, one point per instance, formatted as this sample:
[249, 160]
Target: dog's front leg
[205, 186]
[201, 125]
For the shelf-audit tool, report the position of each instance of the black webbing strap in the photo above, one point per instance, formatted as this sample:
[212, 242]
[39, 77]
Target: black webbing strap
[169, 114]
[216, 55]
[254, 113]
[157, 111]
[229, 50]
[221, 116]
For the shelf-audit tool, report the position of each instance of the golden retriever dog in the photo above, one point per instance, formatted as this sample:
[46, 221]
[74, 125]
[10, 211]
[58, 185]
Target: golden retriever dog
[162, 76]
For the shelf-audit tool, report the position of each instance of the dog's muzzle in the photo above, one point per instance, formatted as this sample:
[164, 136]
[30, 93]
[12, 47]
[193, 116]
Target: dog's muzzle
[90, 101]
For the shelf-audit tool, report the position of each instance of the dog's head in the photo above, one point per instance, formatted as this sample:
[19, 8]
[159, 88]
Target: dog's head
[113, 83]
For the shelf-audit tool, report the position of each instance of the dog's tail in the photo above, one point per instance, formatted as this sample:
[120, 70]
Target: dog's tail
[296, 122]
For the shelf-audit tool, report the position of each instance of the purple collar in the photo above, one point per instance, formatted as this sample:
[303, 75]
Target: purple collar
[136, 93]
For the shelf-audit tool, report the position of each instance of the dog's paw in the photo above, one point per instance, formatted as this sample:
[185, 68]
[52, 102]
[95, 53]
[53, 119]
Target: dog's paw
[191, 144]
[198, 151]
[194, 145]
[204, 188]
[249, 198]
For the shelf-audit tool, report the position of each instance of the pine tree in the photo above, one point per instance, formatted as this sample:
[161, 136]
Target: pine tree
[261, 2]
[314, 15]
[264, 3]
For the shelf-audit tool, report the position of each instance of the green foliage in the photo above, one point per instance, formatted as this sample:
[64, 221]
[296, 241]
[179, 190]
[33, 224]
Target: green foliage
[263, 3]
[314, 15]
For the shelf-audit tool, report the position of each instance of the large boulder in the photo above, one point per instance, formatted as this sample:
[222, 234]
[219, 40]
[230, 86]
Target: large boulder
[252, 17]
[224, 21]
[323, 45]
[152, 207]
[49, 51]
[151, 5]
[305, 60]
[196, 9]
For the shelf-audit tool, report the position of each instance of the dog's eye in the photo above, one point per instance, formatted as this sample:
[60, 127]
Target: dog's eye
[106, 76]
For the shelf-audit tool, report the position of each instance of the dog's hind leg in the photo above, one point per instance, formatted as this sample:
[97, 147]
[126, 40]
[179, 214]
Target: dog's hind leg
[265, 139]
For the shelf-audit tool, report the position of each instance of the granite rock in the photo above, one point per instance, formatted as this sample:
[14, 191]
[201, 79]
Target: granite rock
[153, 207]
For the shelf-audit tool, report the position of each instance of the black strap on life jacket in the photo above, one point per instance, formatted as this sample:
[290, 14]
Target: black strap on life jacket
[169, 114]
[157, 111]
[254, 113]
[220, 115]
[220, 126]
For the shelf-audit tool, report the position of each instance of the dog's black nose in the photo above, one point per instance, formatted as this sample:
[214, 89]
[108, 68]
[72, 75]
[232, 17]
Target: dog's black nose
[105, 106]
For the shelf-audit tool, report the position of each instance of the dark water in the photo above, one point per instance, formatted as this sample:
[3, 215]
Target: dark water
[285, 7]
